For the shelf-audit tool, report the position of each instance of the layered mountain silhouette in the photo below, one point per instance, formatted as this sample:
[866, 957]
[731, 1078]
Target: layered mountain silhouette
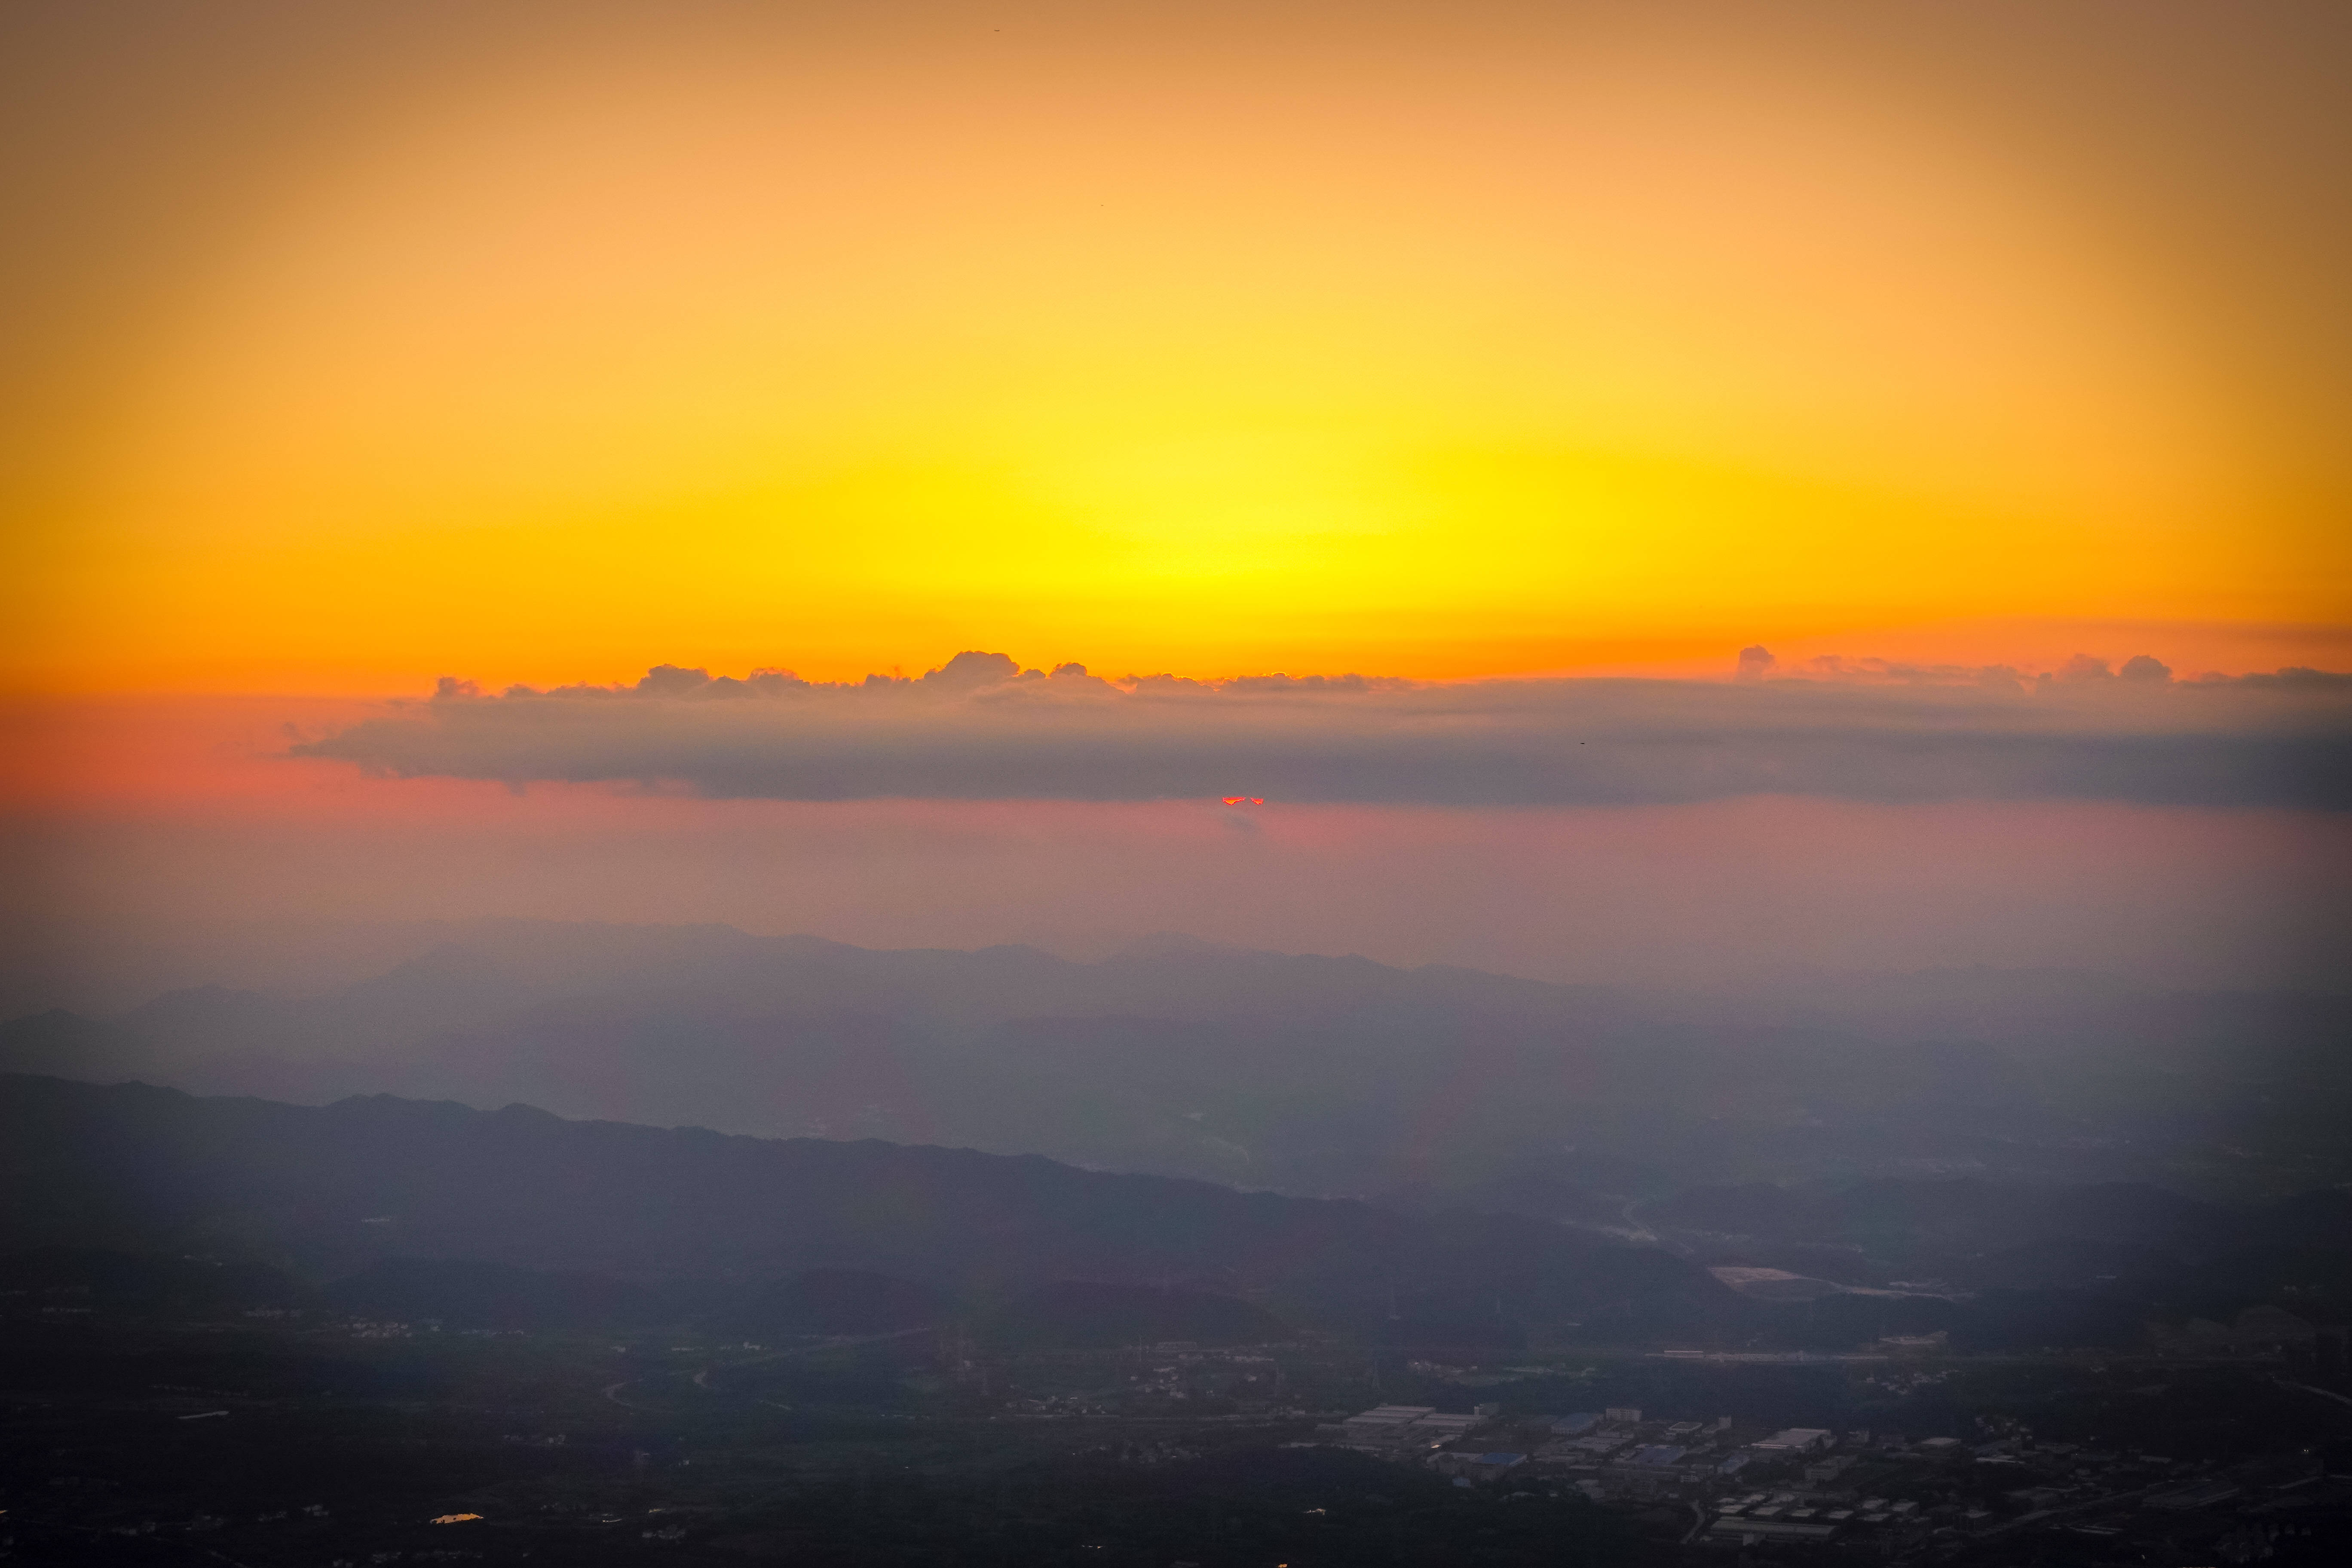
[152, 1199]
[405, 1202]
[1312, 1076]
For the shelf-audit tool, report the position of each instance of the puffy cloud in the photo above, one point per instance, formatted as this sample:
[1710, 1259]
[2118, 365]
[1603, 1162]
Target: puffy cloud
[981, 727]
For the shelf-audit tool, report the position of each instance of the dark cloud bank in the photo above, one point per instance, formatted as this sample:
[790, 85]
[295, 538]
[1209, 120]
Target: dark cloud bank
[982, 728]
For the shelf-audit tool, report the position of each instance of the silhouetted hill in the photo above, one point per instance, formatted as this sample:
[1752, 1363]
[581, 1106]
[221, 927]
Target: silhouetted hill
[67, 1277]
[1079, 1314]
[335, 1190]
[839, 1302]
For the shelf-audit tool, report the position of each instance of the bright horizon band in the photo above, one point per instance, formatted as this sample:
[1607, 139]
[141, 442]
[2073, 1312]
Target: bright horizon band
[1507, 344]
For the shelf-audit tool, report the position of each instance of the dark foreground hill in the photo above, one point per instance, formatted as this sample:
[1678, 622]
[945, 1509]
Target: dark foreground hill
[332, 1192]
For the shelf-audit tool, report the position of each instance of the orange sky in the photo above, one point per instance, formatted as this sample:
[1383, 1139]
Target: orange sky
[354, 345]
[163, 842]
[372, 345]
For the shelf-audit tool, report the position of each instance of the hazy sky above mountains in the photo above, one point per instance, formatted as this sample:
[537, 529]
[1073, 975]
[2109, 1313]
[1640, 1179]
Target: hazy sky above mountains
[162, 829]
[1470, 347]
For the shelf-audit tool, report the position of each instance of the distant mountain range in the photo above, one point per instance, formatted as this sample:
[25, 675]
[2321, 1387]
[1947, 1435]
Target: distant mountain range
[1311, 1076]
[514, 1217]
[352, 1188]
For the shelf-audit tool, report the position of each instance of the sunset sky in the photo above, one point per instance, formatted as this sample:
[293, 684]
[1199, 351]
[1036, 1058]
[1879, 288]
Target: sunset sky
[360, 346]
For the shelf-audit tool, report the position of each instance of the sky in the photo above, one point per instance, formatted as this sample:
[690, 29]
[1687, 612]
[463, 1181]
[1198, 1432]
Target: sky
[1984, 367]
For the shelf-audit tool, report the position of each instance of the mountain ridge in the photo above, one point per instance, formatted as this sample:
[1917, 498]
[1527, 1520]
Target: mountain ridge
[333, 1189]
[1312, 1075]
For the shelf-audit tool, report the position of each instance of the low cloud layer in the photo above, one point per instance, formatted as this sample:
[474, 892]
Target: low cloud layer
[982, 728]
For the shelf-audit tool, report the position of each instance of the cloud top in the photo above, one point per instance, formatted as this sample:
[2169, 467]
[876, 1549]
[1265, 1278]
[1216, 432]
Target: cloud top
[980, 727]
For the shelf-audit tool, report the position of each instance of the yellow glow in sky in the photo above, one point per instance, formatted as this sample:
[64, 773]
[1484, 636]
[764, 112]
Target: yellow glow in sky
[1438, 365]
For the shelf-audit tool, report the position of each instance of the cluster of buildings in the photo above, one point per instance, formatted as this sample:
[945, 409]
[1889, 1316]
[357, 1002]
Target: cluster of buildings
[1802, 1484]
[1617, 1444]
[1404, 1431]
[1210, 1374]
